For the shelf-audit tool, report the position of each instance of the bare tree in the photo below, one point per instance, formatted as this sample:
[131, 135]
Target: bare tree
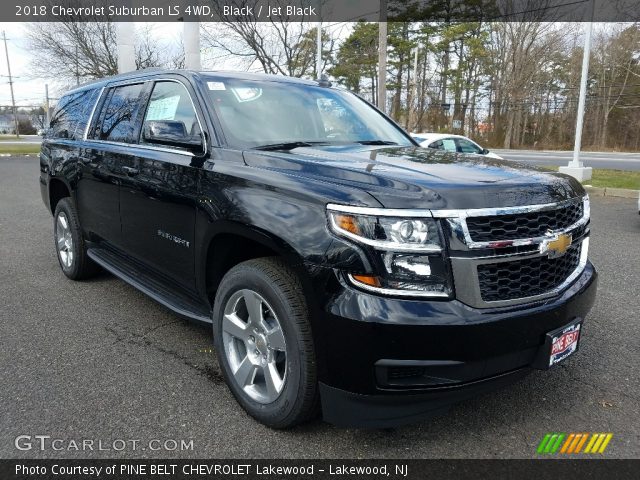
[279, 46]
[87, 50]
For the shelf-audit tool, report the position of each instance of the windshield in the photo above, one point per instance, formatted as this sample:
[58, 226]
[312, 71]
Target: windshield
[256, 113]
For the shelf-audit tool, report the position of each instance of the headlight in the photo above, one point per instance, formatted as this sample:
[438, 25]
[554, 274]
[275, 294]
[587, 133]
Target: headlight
[386, 232]
[405, 247]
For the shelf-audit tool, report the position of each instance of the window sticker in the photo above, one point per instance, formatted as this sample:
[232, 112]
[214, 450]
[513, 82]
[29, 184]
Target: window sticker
[216, 86]
[163, 109]
[247, 94]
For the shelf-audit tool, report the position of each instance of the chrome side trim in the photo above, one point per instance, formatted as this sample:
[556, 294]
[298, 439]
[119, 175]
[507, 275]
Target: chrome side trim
[142, 146]
[93, 111]
[467, 286]
[396, 292]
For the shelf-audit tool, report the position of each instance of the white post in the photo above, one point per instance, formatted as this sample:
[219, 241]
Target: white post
[191, 34]
[576, 168]
[125, 39]
[319, 50]
[382, 57]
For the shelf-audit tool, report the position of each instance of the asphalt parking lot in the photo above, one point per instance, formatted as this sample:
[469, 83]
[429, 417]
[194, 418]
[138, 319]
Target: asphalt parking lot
[100, 360]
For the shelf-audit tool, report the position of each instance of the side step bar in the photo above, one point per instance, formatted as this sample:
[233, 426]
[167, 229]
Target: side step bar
[182, 304]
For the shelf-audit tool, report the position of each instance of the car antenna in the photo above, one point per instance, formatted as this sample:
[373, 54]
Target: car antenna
[323, 81]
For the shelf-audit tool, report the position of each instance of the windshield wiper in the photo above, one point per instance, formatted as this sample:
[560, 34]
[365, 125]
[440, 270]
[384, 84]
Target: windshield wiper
[288, 145]
[376, 142]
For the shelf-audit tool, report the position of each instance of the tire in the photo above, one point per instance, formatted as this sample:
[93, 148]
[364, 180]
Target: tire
[248, 353]
[70, 245]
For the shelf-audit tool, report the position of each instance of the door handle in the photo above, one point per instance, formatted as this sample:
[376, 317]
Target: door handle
[131, 171]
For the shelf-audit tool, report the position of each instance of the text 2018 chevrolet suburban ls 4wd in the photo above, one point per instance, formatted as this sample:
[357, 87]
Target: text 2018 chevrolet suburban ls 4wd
[343, 267]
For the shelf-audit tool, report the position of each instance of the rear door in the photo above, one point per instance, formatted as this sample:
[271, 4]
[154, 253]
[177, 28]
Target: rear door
[104, 153]
[159, 195]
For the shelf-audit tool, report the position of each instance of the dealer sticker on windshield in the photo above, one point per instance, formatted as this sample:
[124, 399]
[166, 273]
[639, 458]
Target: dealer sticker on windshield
[564, 343]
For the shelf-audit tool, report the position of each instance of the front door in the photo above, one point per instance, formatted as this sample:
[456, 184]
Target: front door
[158, 196]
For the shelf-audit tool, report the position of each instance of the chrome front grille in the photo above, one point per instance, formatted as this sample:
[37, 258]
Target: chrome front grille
[501, 257]
[523, 225]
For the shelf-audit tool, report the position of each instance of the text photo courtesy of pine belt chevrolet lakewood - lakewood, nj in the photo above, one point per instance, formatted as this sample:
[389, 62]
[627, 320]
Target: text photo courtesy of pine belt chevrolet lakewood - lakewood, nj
[319, 239]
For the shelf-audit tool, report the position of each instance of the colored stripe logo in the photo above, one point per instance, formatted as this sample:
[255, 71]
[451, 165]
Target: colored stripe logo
[571, 443]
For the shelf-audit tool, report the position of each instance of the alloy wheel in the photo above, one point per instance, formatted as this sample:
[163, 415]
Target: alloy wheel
[64, 240]
[255, 346]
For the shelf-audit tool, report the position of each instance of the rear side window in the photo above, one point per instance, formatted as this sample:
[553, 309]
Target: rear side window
[72, 115]
[119, 112]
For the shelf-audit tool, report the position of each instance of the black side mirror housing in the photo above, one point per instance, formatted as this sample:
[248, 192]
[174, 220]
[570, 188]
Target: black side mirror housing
[485, 151]
[171, 133]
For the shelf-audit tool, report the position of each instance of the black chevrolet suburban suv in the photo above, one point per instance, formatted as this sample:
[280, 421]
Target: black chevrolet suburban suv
[343, 268]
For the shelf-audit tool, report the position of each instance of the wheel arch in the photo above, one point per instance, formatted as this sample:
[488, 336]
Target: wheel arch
[58, 189]
[232, 243]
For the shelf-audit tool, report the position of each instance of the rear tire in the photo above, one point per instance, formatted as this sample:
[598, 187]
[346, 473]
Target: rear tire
[70, 245]
[264, 344]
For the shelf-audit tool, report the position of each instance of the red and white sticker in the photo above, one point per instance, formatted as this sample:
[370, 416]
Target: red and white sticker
[564, 344]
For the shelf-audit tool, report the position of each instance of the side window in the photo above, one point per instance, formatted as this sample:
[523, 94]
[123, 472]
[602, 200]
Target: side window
[117, 120]
[449, 145]
[170, 116]
[437, 145]
[71, 116]
[82, 119]
[465, 146]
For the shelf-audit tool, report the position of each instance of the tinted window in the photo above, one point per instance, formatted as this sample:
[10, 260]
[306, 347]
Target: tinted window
[89, 101]
[255, 113]
[117, 120]
[465, 146]
[170, 101]
[72, 114]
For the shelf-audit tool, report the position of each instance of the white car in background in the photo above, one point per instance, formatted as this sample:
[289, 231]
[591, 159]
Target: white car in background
[452, 143]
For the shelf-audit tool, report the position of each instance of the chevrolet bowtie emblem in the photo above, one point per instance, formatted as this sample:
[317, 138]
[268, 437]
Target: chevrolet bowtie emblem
[556, 245]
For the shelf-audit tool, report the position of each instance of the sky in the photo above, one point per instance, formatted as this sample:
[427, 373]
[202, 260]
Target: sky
[29, 89]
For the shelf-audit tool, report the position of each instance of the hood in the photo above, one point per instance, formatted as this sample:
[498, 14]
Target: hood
[416, 177]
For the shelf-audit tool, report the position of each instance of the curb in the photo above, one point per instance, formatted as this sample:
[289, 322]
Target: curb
[611, 192]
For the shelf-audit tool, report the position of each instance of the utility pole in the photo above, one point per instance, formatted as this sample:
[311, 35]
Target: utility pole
[47, 106]
[576, 168]
[382, 57]
[13, 100]
[413, 94]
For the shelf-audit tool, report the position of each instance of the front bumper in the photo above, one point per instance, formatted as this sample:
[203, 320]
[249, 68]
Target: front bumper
[393, 361]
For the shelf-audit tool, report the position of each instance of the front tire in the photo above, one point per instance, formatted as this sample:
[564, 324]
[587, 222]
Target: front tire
[70, 245]
[264, 344]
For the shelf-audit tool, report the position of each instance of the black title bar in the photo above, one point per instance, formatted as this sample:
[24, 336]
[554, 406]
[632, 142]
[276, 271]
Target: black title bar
[319, 10]
[583, 469]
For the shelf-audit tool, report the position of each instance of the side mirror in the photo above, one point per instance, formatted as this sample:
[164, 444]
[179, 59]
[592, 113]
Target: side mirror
[172, 133]
[485, 151]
